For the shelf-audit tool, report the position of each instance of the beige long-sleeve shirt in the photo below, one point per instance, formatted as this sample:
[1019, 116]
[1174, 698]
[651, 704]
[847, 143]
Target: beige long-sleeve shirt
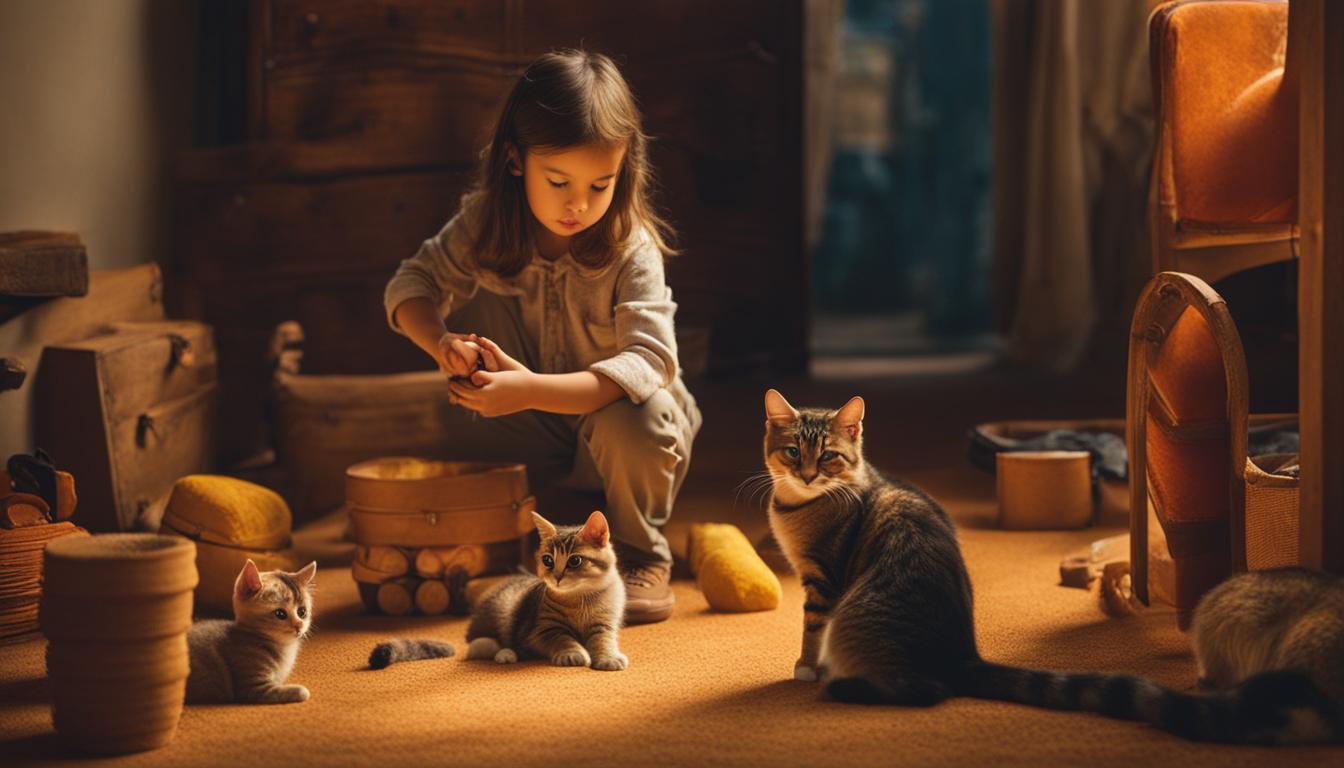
[617, 321]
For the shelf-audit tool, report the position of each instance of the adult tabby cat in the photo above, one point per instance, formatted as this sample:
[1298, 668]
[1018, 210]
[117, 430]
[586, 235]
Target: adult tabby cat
[248, 659]
[887, 613]
[568, 613]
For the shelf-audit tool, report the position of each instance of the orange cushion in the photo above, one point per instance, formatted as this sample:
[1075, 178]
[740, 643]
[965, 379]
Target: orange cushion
[1188, 372]
[1189, 478]
[1229, 125]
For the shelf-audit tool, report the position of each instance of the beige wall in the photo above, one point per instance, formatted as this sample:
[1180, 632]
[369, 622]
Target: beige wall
[94, 99]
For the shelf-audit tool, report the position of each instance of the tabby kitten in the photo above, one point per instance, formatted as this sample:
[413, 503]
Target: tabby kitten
[887, 613]
[568, 613]
[247, 660]
[1279, 634]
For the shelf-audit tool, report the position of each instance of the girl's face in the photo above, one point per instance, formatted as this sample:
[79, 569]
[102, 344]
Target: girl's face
[571, 189]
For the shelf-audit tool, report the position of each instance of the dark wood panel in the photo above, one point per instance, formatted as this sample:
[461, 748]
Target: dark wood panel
[390, 116]
[310, 229]
[660, 30]
[304, 30]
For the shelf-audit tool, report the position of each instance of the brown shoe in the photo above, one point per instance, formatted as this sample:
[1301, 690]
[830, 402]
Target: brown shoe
[648, 591]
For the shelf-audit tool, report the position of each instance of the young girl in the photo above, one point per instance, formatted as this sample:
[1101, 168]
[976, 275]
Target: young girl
[558, 320]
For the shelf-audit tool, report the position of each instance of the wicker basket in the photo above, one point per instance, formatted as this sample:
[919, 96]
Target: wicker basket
[1271, 513]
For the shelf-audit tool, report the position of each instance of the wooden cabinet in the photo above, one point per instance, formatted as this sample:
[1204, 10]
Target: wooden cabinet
[365, 119]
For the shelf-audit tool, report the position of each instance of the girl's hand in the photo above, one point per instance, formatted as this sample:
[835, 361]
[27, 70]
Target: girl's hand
[494, 393]
[459, 354]
[495, 359]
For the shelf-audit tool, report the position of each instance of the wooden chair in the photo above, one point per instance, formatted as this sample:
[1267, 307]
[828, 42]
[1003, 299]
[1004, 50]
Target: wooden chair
[1248, 170]
[1186, 416]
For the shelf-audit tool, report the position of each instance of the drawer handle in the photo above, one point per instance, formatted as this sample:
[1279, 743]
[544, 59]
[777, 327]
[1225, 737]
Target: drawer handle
[182, 353]
[143, 426]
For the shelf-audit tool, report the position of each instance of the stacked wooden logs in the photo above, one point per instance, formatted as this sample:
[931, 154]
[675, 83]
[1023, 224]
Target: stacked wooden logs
[399, 581]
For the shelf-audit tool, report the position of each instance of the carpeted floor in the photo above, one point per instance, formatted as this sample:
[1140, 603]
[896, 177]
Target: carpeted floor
[705, 688]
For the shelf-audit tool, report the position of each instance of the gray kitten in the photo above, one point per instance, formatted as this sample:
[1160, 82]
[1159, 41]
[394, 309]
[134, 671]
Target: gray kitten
[248, 659]
[568, 613]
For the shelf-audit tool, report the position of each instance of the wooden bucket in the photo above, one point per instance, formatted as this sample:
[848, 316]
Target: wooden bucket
[116, 609]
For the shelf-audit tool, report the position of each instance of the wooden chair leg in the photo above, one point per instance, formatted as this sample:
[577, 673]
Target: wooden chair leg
[1316, 43]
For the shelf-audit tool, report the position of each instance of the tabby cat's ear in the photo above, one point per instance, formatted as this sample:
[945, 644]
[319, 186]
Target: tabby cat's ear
[596, 531]
[777, 409]
[306, 573]
[850, 417]
[544, 526]
[249, 581]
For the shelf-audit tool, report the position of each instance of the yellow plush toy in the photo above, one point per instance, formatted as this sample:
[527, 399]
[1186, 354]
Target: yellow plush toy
[730, 573]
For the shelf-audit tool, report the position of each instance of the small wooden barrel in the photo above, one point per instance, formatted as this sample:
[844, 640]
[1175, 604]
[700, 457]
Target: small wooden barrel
[116, 609]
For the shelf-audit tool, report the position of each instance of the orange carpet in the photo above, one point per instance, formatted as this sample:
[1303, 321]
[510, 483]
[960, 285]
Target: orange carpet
[702, 688]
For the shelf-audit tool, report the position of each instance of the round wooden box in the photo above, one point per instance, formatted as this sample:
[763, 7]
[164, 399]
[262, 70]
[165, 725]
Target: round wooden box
[425, 527]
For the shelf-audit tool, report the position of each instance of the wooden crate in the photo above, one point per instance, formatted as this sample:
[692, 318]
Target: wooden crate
[128, 413]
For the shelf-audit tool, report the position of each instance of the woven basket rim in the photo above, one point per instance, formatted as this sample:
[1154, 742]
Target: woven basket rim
[119, 547]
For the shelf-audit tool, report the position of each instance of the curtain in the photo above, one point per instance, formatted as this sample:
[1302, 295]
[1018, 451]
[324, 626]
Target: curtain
[1073, 141]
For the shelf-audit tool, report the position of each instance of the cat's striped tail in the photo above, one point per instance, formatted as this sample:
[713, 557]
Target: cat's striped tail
[1281, 707]
[393, 651]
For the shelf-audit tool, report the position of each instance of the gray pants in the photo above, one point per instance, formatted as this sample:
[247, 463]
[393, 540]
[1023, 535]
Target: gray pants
[637, 455]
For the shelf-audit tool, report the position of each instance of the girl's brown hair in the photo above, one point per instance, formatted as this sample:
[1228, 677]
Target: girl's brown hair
[565, 99]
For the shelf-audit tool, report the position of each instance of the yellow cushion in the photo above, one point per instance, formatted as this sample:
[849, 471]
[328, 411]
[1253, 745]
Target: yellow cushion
[228, 511]
[730, 573]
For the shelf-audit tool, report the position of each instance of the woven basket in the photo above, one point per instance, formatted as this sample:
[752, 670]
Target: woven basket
[1271, 513]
